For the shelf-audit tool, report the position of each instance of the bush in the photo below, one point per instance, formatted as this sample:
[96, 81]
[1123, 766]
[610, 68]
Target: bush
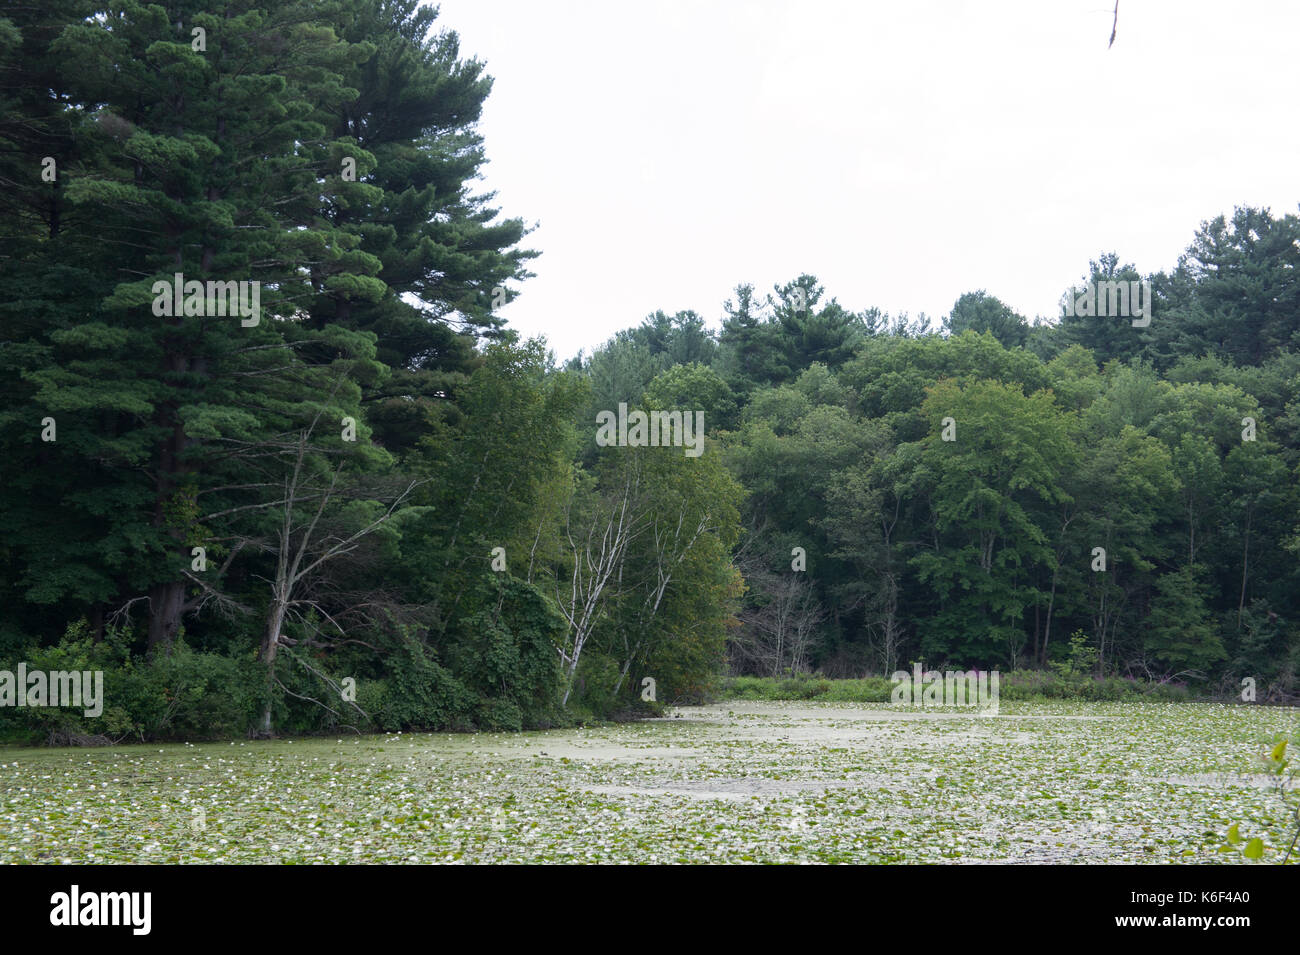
[193, 695]
[418, 693]
[1016, 685]
[1039, 685]
[595, 692]
[499, 716]
[872, 689]
[185, 694]
[504, 654]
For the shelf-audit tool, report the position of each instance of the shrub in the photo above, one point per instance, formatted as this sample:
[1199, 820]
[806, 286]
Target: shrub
[499, 715]
[184, 694]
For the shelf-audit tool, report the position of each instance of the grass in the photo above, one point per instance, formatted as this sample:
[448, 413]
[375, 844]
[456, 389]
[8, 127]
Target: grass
[1015, 685]
[803, 687]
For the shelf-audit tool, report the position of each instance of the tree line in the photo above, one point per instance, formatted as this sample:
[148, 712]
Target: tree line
[990, 491]
[360, 500]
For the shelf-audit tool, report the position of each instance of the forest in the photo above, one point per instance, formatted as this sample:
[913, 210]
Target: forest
[272, 461]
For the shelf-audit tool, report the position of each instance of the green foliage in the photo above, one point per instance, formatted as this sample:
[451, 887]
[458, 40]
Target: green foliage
[694, 387]
[807, 687]
[1075, 661]
[1014, 685]
[504, 654]
[1179, 634]
[183, 431]
[184, 695]
[356, 464]
[1280, 767]
[418, 692]
[980, 312]
[595, 686]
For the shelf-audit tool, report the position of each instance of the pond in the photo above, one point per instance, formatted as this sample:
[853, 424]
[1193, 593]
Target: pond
[730, 782]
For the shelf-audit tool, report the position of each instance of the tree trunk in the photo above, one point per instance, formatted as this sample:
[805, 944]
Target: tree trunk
[1047, 632]
[569, 677]
[97, 622]
[270, 644]
[1245, 565]
[165, 603]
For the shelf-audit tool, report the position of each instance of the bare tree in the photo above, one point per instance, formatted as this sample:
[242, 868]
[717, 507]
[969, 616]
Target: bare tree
[778, 632]
[301, 552]
[303, 528]
[672, 537]
[598, 546]
[885, 629]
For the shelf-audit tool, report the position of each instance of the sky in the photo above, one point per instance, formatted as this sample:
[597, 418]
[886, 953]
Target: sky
[902, 152]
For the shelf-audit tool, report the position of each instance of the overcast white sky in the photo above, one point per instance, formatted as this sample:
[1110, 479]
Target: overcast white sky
[903, 152]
